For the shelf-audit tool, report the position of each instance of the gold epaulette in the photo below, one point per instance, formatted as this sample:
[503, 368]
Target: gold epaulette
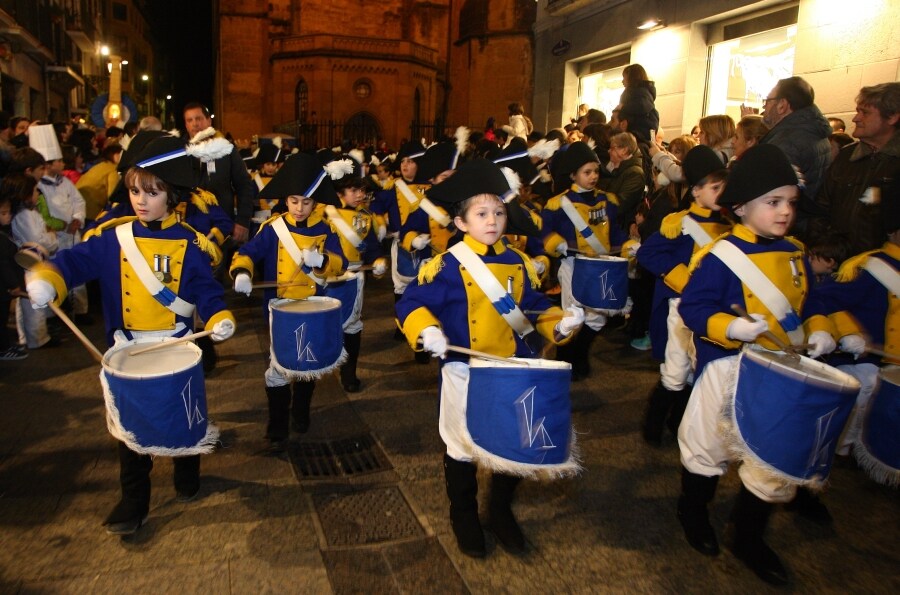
[852, 266]
[555, 202]
[97, 231]
[203, 199]
[430, 269]
[270, 220]
[205, 244]
[529, 267]
[699, 254]
[671, 224]
[610, 197]
[796, 242]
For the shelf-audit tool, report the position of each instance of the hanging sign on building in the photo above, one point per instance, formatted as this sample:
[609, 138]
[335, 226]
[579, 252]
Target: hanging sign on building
[562, 46]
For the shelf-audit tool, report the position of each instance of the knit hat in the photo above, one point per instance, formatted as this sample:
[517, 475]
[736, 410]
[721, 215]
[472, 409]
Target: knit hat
[575, 155]
[700, 162]
[301, 175]
[43, 140]
[760, 170]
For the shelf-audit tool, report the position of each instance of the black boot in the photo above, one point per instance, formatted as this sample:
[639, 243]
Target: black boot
[303, 392]
[279, 398]
[808, 505]
[134, 477]
[654, 419]
[186, 477]
[398, 334]
[503, 524]
[209, 358]
[348, 371]
[581, 353]
[462, 489]
[679, 404]
[750, 516]
[697, 492]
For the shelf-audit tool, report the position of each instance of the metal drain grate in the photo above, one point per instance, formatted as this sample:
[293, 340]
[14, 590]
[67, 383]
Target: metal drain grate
[371, 516]
[346, 457]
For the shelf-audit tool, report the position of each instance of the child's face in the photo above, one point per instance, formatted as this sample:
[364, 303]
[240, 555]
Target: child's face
[55, 167]
[353, 197]
[821, 265]
[383, 172]
[587, 175]
[149, 205]
[5, 214]
[37, 172]
[485, 219]
[300, 207]
[707, 194]
[408, 168]
[31, 201]
[269, 168]
[772, 214]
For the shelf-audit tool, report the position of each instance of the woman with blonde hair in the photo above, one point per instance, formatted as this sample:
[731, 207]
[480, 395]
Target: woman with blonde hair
[717, 132]
[748, 132]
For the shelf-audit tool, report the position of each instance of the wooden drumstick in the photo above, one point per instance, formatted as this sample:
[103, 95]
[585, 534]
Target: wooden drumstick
[881, 353]
[74, 328]
[164, 344]
[275, 285]
[768, 334]
[483, 355]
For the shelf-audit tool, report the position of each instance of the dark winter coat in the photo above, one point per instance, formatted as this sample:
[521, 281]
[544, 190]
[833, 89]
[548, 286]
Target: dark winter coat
[638, 107]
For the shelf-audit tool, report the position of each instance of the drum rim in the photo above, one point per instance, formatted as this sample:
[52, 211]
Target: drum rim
[832, 378]
[336, 303]
[477, 362]
[602, 257]
[198, 356]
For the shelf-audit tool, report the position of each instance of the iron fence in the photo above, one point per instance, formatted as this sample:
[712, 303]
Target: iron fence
[315, 134]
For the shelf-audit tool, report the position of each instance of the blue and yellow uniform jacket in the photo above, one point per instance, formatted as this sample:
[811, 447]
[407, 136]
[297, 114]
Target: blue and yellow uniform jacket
[712, 289]
[861, 305]
[365, 224]
[393, 206]
[276, 265]
[666, 254]
[127, 304]
[445, 295]
[419, 222]
[593, 207]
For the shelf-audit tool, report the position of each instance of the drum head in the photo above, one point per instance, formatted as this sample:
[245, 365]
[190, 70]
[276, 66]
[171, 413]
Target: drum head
[118, 361]
[316, 303]
[609, 258]
[806, 370]
[520, 362]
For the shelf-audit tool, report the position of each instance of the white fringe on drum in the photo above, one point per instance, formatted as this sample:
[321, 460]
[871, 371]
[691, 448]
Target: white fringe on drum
[309, 375]
[492, 462]
[206, 445]
[738, 446]
[877, 470]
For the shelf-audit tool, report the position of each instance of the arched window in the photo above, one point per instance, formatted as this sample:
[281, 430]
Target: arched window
[301, 100]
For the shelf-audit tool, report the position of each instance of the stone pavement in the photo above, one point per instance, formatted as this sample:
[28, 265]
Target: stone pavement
[358, 503]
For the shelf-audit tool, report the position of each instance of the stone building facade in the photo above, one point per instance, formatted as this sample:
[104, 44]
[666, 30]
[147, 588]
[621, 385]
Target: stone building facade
[387, 70]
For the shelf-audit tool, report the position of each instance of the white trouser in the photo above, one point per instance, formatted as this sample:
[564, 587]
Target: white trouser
[31, 324]
[867, 374]
[595, 319]
[681, 354]
[77, 295]
[703, 448]
[452, 421]
[354, 323]
[400, 281]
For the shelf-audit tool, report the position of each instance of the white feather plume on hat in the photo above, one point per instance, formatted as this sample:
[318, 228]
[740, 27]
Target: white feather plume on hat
[392, 157]
[203, 135]
[512, 178]
[174, 132]
[375, 161]
[462, 139]
[277, 141]
[544, 149]
[210, 149]
[339, 168]
[358, 155]
[590, 143]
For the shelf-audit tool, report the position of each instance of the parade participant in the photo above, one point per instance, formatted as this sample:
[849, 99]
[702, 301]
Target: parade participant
[357, 229]
[154, 273]
[12, 279]
[382, 176]
[578, 219]
[299, 249]
[268, 159]
[441, 306]
[666, 255]
[762, 190]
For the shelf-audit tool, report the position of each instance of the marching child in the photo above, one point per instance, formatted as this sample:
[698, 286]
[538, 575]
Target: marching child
[762, 190]
[299, 250]
[441, 307]
[666, 254]
[154, 291]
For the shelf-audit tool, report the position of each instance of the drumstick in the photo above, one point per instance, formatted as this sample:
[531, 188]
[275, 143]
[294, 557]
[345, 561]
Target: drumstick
[84, 340]
[881, 353]
[483, 355]
[275, 285]
[768, 334]
[163, 344]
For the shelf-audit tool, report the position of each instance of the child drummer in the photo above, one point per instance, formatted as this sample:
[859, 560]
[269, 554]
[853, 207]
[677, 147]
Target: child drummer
[298, 250]
[761, 190]
[153, 297]
[440, 307]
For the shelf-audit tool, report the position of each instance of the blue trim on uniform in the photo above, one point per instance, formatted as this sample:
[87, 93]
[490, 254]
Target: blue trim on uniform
[165, 297]
[505, 305]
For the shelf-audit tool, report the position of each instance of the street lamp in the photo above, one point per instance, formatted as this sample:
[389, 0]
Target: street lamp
[145, 78]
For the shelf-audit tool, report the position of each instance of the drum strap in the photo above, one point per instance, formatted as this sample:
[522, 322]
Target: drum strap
[160, 292]
[487, 282]
[429, 207]
[581, 226]
[690, 226]
[293, 250]
[342, 226]
[767, 292]
[884, 274]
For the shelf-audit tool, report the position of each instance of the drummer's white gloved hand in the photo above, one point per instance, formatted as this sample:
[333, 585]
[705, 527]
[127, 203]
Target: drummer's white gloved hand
[379, 267]
[420, 241]
[741, 329]
[572, 321]
[539, 267]
[822, 342]
[562, 249]
[381, 232]
[40, 293]
[222, 330]
[312, 259]
[434, 341]
[243, 284]
[854, 344]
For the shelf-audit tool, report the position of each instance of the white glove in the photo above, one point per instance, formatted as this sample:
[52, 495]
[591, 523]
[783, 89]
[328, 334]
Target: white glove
[434, 341]
[40, 293]
[312, 259]
[563, 249]
[420, 241]
[379, 268]
[573, 320]
[822, 342]
[853, 344]
[222, 330]
[243, 284]
[538, 267]
[744, 330]
[633, 249]
[381, 232]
